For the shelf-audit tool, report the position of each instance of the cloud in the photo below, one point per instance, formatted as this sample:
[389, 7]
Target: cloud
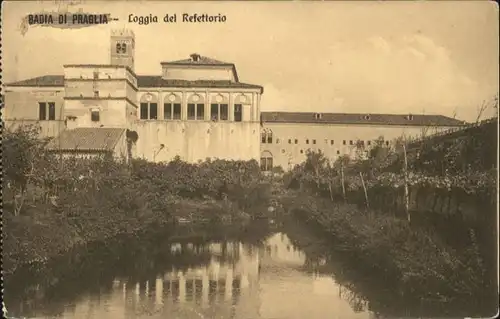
[407, 74]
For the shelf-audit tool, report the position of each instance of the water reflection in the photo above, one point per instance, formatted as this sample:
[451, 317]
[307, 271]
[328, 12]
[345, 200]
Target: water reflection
[212, 280]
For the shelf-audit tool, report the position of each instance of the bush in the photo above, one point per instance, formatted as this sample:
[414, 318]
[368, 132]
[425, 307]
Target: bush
[80, 200]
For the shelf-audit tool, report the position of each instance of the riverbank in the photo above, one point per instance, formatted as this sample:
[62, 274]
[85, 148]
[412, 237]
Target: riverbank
[41, 234]
[414, 262]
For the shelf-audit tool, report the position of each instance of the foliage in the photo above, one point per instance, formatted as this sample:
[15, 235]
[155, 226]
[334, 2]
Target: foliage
[417, 261]
[466, 164]
[463, 164]
[79, 200]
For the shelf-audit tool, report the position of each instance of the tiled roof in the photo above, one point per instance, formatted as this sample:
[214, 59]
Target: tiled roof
[360, 118]
[142, 81]
[201, 60]
[158, 81]
[87, 139]
[46, 80]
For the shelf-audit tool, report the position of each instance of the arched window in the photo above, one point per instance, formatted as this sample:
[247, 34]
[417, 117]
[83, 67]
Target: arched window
[124, 48]
[266, 161]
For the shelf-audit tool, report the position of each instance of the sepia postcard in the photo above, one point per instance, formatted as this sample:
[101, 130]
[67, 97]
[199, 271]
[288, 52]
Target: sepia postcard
[249, 159]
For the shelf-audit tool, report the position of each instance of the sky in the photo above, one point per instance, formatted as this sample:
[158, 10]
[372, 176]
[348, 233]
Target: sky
[437, 57]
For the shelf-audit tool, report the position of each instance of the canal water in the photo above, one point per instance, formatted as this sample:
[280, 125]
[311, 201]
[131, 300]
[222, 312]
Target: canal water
[285, 272]
[269, 277]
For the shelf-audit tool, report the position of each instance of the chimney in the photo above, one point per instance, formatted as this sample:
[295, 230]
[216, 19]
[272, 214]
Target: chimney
[195, 57]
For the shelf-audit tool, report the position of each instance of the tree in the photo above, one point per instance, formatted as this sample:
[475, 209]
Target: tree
[315, 164]
[24, 157]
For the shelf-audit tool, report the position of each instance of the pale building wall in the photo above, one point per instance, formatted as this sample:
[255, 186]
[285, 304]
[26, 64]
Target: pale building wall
[22, 103]
[112, 113]
[21, 109]
[193, 73]
[111, 82]
[287, 154]
[87, 72]
[197, 140]
[116, 100]
[47, 128]
[120, 149]
[106, 88]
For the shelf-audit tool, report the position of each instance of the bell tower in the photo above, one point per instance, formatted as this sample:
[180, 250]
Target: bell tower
[122, 48]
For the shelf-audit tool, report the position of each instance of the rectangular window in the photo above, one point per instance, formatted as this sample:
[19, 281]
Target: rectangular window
[238, 113]
[191, 112]
[200, 111]
[96, 93]
[42, 111]
[167, 111]
[224, 112]
[172, 111]
[214, 112]
[177, 111]
[331, 142]
[95, 116]
[270, 138]
[338, 152]
[153, 111]
[219, 112]
[314, 141]
[263, 138]
[289, 141]
[296, 141]
[350, 142]
[344, 142]
[52, 111]
[269, 163]
[144, 111]
[307, 141]
[266, 163]
[263, 163]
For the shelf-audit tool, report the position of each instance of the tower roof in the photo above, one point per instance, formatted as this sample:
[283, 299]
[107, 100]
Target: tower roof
[122, 33]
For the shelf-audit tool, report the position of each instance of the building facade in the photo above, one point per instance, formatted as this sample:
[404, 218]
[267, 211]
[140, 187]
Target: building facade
[287, 136]
[195, 108]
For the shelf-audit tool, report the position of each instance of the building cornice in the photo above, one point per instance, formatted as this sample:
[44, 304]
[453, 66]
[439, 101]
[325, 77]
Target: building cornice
[102, 80]
[79, 98]
[108, 66]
